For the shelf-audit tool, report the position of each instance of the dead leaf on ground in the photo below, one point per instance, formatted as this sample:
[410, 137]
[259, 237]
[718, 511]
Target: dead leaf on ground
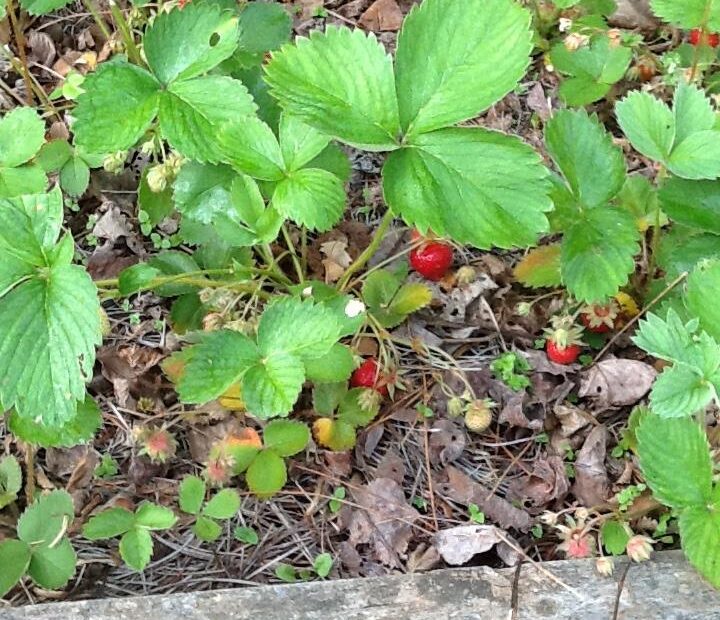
[383, 520]
[447, 441]
[515, 413]
[592, 486]
[617, 382]
[458, 545]
[391, 466]
[201, 438]
[336, 260]
[538, 102]
[112, 225]
[125, 366]
[42, 48]
[548, 482]
[382, 15]
[460, 488]
[423, 558]
[571, 419]
[540, 363]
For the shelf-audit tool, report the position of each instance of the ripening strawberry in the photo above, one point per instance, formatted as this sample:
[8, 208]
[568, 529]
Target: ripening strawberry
[563, 340]
[700, 37]
[432, 259]
[599, 318]
[156, 443]
[368, 375]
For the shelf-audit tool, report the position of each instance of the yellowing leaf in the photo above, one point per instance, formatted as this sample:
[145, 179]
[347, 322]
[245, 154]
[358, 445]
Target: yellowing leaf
[540, 267]
[232, 398]
[334, 434]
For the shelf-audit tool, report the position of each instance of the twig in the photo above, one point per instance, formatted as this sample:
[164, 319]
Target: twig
[367, 254]
[20, 42]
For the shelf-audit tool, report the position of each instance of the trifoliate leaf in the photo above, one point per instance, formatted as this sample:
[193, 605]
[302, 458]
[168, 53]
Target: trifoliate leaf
[597, 254]
[51, 567]
[22, 133]
[700, 536]
[300, 328]
[251, 147]
[224, 505]
[692, 203]
[117, 90]
[336, 365]
[675, 460]
[191, 494]
[473, 185]
[486, 52]
[79, 429]
[540, 267]
[15, 559]
[648, 123]
[154, 517]
[299, 142]
[108, 524]
[267, 474]
[203, 190]
[702, 287]
[341, 82]
[218, 361]
[191, 111]
[615, 537]
[206, 529]
[47, 517]
[680, 391]
[136, 548]
[286, 437]
[311, 197]
[592, 165]
[688, 13]
[592, 69]
[272, 386]
[184, 43]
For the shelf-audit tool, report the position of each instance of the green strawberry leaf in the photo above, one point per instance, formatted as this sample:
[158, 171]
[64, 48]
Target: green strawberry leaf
[301, 328]
[597, 254]
[42, 7]
[246, 535]
[692, 203]
[136, 278]
[692, 111]
[410, 298]
[311, 197]
[675, 460]
[476, 186]
[15, 559]
[267, 474]
[27, 179]
[22, 133]
[487, 51]
[191, 494]
[264, 26]
[51, 567]
[248, 220]
[337, 435]
[340, 82]
[615, 537]
[79, 429]
[218, 361]
[682, 250]
[109, 524]
[192, 110]
[136, 548]
[697, 157]
[10, 480]
[680, 391]
[75, 176]
[540, 267]
[327, 396]
[184, 43]
[202, 190]
[700, 536]
[107, 93]
[224, 505]
[53, 154]
[157, 205]
[206, 529]
[45, 518]
[702, 287]
[351, 410]
[592, 69]
[300, 143]
[272, 386]
[688, 13]
[154, 517]
[251, 147]
[336, 365]
[583, 151]
[286, 437]
[648, 123]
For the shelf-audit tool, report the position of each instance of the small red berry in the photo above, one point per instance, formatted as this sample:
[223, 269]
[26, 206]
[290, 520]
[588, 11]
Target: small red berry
[432, 259]
[559, 355]
[368, 375]
[697, 37]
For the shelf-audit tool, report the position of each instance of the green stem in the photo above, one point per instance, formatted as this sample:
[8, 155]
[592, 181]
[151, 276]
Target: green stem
[102, 24]
[362, 260]
[293, 255]
[124, 28]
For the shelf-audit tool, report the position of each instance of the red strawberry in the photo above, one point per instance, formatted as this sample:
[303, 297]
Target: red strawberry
[368, 375]
[599, 319]
[563, 340]
[432, 259]
[698, 36]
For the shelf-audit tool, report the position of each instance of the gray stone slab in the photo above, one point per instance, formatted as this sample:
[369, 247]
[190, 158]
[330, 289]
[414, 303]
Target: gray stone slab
[666, 588]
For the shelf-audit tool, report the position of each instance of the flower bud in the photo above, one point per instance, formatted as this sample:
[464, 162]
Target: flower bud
[639, 548]
[605, 566]
[157, 179]
[115, 162]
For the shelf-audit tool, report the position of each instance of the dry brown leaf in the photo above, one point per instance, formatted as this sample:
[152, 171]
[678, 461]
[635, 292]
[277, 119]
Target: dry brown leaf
[42, 48]
[384, 520]
[462, 489]
[391, 466]
[592, 486]
[539, 103]
[112, 225]
[458, 545]
[617, 382]
[422, 559]
[547, 483]
[337, 259]
[447, 441]
[571, 419]
[514, 413]
[382, 15]
[201, 438]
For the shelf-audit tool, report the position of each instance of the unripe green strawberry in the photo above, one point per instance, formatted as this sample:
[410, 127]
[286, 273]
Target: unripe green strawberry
[478, 415]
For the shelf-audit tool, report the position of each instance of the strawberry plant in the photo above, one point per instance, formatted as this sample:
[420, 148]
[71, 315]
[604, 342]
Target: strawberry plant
[342, 412]
[221, 507]
[10, 480]
[136, 544]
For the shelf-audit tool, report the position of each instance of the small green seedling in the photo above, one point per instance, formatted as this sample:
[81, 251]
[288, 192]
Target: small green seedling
[221, 507]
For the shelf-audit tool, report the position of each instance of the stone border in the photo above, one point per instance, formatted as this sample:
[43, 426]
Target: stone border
[666, 588]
